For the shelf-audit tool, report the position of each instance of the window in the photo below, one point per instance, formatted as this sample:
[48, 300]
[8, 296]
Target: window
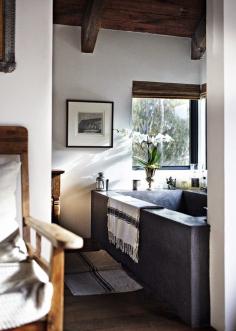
[167, 116]
[173, 110]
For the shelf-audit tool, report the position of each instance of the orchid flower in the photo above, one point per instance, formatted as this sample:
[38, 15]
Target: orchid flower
[151, 142]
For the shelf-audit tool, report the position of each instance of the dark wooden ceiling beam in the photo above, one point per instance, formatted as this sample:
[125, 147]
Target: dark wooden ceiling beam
[172, 17]
[198, 44]
[91, 25]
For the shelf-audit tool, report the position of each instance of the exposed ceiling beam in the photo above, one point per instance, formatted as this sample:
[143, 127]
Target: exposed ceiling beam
[171, 17]
[198, 45]
[91, 25]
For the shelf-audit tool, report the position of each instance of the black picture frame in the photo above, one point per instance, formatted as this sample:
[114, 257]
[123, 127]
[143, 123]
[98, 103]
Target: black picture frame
[89, 123]
[7, 58]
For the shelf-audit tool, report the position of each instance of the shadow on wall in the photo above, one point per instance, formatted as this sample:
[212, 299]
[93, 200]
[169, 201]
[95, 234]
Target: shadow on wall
[81, 168]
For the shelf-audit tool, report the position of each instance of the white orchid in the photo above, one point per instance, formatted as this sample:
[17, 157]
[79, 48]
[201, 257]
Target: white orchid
[123, 132]
[141, 138]
[168, 138]
[150, 143]
[138, 137]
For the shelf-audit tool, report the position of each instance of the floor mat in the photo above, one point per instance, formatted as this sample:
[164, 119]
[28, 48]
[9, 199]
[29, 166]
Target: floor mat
[91, 273]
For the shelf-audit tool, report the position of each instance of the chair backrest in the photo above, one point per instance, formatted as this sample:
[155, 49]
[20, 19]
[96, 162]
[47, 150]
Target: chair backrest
[14, 140]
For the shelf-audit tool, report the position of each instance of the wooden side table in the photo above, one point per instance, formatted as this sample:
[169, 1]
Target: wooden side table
[56, 192]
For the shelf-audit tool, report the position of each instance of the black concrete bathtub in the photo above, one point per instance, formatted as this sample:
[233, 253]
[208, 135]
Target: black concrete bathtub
[173, 252]
[187, 202]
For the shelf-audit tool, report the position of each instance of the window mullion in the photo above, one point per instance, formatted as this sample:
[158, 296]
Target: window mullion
[193, 131]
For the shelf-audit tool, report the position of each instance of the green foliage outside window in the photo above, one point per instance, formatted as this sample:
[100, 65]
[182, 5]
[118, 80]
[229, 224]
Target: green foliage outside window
[152, 116]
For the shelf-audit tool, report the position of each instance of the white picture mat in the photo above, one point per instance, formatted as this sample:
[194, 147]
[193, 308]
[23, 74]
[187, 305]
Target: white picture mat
[89, 139]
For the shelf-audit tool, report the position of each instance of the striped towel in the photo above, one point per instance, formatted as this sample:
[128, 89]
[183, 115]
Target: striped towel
[123, 223]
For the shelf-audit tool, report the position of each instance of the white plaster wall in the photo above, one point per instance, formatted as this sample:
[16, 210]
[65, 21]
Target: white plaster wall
[215, 139]
[26, 95]
[230, 161]
[107, 74]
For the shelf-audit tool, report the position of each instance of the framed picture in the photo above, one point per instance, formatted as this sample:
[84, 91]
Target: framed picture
[89, 124]
[7, 35]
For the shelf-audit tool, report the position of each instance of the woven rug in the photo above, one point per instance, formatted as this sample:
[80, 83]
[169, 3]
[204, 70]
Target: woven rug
[91, 273]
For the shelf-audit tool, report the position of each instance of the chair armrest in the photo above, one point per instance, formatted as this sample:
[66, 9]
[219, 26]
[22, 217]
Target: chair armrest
[58, 236]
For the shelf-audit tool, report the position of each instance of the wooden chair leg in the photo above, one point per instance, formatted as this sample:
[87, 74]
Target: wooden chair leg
[55, 316]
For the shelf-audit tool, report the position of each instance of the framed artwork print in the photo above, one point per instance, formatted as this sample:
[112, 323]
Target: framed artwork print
[89, 124]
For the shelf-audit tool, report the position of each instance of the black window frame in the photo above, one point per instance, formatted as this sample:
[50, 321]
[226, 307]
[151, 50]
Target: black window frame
[193, 139]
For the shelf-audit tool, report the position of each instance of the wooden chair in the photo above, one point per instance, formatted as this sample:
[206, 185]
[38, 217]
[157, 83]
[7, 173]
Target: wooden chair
[14, 140]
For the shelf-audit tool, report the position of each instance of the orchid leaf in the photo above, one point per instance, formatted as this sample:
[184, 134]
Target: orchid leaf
[142, 162]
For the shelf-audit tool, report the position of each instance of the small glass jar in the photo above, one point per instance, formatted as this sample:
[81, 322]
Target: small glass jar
[100, 182]
[136, 184]
[194, 176]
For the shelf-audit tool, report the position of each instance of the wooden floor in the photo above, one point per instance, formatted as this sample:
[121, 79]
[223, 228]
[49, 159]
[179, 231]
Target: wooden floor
[135, 311]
